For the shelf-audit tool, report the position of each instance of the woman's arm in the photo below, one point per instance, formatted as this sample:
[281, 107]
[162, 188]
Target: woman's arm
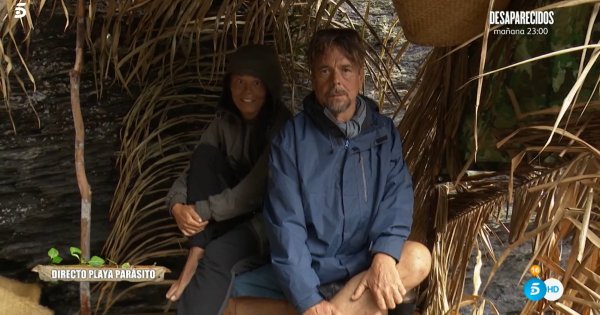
[243, 198]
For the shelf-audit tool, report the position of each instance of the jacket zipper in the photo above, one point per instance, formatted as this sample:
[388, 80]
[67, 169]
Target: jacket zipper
[364, 179]
[346, 145]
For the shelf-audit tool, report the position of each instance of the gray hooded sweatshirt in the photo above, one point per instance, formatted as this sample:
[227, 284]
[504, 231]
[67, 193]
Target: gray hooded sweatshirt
[239, 140]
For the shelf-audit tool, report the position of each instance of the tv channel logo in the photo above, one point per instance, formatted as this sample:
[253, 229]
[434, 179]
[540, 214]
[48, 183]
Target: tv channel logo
[20, 10]
[536, 289]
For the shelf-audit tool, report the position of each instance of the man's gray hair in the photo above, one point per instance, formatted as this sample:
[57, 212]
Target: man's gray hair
[345, 39]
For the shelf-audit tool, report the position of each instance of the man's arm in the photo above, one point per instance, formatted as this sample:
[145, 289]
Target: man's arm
[286, 229]
[393, 221]
[388, 233]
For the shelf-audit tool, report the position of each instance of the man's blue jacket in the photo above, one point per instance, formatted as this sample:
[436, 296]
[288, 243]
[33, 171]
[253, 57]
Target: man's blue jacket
[333, 202]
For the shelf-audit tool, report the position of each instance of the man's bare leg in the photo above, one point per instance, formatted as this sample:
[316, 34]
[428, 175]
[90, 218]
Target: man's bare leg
[194, 255]
[413, 267]
[414, 264]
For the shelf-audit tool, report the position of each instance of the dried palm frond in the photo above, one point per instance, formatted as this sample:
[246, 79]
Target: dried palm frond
[12, 58]
[15, 35]
[555, 197]
[563, 203]
[163, 34]
[552, 197]
[435, 111]
[420, 138]
[456, 237]
[430, 124]
[164, 124]
[556, 166]
[554, 202]
[584, 69]
[476, 203]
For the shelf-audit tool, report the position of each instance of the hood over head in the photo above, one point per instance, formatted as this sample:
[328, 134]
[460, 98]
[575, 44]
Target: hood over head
[260, 61]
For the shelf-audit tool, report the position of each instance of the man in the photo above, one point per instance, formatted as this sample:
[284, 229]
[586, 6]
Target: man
[339, 202]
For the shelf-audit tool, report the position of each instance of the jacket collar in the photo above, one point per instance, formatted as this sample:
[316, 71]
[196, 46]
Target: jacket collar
[315, 112]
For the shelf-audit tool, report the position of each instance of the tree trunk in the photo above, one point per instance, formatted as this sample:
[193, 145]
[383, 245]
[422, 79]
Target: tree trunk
[39, 197]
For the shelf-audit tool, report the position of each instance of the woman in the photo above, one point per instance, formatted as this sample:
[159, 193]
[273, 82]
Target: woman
[215, 200]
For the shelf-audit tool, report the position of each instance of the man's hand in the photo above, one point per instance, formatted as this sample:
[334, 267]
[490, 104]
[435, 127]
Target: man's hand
[188, 221]
[322, 308]
[383, 280]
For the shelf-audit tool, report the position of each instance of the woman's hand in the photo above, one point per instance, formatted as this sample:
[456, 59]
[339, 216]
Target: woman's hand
[187, 219]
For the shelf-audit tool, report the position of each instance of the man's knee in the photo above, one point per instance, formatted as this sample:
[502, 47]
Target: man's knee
[416, 257]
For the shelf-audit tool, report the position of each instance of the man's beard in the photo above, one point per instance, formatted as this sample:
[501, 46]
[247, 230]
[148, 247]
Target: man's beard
[338, 106]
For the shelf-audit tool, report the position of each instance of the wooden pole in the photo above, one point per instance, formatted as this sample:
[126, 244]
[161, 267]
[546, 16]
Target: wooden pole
[82, 182]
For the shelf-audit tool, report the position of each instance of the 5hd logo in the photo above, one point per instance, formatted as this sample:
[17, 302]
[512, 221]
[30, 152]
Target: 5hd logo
[536, 289]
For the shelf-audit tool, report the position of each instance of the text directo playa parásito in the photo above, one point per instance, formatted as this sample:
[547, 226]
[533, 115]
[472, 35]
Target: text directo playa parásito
[101, 274]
